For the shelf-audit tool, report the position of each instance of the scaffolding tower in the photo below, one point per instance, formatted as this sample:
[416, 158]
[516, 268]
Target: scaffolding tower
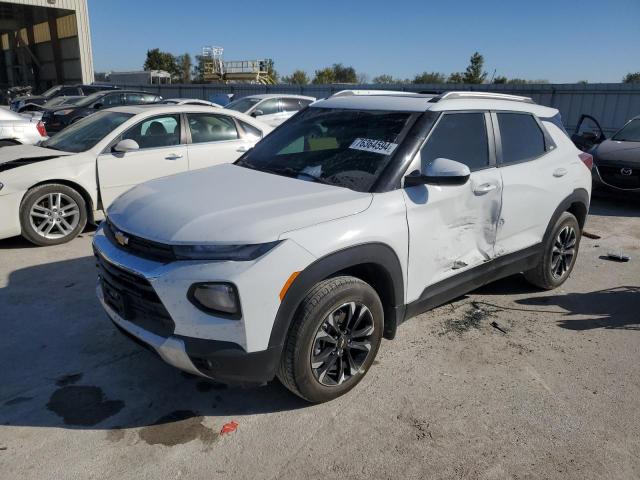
[215, 69]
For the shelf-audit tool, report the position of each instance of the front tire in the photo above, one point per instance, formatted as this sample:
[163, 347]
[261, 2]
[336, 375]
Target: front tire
[52, 214]
[559, 256]
[334, 339]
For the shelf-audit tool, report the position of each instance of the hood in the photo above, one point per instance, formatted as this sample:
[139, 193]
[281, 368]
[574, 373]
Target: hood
[19, 155]
[613, 151]
[229, 204]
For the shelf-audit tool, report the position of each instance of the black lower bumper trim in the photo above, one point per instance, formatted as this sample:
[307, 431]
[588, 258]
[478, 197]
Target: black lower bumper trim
[227, 362]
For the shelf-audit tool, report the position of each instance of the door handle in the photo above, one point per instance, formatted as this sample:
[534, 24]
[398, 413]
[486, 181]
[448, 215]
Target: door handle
[484, 188]
[242, 148]
[173, 156]
[560, 172]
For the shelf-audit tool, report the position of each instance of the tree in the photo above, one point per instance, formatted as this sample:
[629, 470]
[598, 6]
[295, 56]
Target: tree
[184, 66]
[456, 77]
[344, 74]
[384, 78]
[429, 77]
[326, 75]
[500, 79]
[299, 77]
[157, 60]
[631, 78]
[474, 73]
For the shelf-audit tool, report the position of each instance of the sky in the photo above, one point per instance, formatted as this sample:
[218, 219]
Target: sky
[563, 41]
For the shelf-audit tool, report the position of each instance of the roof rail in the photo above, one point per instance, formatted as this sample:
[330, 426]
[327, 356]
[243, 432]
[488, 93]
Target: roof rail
[483, 96]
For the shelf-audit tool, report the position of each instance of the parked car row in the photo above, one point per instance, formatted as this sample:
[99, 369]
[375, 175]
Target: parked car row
[33, 102]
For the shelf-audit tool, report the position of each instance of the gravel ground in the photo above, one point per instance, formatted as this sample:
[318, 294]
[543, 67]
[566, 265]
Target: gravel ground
[554, 392]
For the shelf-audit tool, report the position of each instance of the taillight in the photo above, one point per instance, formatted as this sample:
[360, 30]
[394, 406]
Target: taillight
[587, 159]
[41, 129]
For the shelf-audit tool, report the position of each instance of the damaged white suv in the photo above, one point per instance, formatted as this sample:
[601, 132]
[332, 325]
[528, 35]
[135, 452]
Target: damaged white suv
[357, 214]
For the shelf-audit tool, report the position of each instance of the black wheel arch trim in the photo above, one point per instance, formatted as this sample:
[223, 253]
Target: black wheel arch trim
[578, 199]
[379, 256]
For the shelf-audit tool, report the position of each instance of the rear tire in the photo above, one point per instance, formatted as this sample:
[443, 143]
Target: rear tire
[52, 214]
[559, 255]
[334, 339]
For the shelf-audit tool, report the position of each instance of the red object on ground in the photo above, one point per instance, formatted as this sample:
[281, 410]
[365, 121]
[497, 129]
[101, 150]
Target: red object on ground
[229, 428]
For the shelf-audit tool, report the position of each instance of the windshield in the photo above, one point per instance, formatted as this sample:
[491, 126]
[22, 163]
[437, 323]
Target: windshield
[346, 148]
[242, 105]
[51, 91]
[83, 135]
[89, 99]
[629, 133]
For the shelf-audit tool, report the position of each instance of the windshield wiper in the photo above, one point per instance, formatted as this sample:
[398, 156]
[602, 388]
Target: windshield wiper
[293, 173]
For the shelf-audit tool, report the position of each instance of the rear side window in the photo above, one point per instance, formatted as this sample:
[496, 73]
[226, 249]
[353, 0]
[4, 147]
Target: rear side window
[521, 137]
[291, 104]
[461, 137]
[211, 128]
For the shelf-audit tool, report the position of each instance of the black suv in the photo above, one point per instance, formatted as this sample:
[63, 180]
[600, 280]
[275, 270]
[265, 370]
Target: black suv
[28, 103]
[55, 119]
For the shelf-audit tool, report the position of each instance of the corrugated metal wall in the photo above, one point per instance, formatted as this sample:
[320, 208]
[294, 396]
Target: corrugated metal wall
[83, 48]
[611, 103]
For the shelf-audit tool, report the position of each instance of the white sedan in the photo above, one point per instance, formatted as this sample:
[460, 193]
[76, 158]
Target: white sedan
[272, 108]
[49, 192]
[17, 129]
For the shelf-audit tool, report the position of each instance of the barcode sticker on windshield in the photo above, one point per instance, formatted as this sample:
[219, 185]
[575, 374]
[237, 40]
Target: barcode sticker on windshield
[375, 146]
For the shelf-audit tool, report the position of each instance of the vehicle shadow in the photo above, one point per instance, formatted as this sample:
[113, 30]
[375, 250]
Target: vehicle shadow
[65, 365]
[613, 308]
[20, 242]
[609, 205]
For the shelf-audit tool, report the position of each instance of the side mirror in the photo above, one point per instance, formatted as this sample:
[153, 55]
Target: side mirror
[126, 145]
[441, 171]
[257, 113]
[97, 106]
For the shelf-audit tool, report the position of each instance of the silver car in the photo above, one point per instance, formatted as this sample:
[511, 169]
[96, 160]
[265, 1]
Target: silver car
[17, 129]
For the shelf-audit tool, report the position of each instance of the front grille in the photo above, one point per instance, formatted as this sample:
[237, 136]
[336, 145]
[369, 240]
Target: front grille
[140, 247]
[613, 176]
[133, 298]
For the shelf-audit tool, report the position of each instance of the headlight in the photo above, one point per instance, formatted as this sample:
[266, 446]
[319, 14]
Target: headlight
[216, 298]
[63, 112]
[238, 253]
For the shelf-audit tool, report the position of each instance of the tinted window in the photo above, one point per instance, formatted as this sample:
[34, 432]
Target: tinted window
[83, 135]
[211, 128]
[111, 100]
[243, 105]
[268, 107]
[291, 104]
[346, 148]
[521, 137]
[461, 137]
[250, 130]
[89, 90]
[135, 98]
[155, 132]
[67, 91]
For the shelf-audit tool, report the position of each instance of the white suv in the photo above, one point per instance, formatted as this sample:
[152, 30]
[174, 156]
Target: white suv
[359, 213]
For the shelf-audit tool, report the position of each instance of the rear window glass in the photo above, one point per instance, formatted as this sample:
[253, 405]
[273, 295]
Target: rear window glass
[521, 137]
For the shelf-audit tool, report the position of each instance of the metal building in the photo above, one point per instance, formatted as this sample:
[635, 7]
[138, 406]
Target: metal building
[44, 43]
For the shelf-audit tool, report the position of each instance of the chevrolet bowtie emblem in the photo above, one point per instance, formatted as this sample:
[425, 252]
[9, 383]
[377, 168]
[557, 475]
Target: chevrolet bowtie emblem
[121, 238]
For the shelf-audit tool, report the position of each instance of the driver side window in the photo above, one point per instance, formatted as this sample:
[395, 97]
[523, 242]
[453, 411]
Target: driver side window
[268, 107]
[156, 132]
[461, 137]
[111, 100]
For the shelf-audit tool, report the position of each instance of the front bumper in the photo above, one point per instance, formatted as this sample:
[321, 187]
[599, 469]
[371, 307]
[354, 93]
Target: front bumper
[10, 214]
[230, 351]
[606, 177]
